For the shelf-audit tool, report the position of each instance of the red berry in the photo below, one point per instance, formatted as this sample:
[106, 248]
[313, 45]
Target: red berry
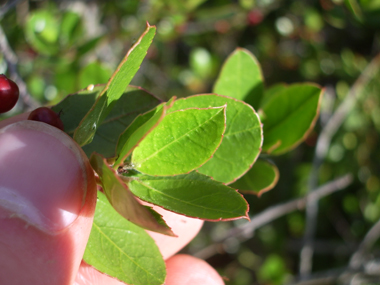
[9, 94]
[48, 116]
[255, 17]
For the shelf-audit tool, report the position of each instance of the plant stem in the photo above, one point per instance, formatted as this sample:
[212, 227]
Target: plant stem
[246, 231]
[322, 147]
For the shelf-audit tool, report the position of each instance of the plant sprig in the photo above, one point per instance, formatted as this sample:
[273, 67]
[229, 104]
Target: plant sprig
[179, 154]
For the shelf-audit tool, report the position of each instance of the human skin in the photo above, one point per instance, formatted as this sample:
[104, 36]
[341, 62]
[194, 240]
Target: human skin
[43, 244]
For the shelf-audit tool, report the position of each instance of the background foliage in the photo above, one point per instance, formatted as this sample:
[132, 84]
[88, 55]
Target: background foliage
[62, 45]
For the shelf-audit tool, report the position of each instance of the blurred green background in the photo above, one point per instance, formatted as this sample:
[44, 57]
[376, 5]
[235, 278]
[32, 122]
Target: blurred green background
[63, 46]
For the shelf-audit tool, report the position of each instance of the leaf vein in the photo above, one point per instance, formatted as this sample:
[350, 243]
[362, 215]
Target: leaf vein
[242, 131]
[176, 140]
[122, 251]
[185, 202]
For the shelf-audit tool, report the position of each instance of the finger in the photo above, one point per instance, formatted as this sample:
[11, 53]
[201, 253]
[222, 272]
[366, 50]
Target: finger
[47, 202]
[188, 270]
[186, 229]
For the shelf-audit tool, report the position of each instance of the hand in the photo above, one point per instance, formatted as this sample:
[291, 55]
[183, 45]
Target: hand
[46, 215]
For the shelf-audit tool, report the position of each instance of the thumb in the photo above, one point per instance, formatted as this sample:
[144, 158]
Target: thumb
[47, 203]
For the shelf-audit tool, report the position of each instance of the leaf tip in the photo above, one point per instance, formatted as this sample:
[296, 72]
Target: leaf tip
[149, 26]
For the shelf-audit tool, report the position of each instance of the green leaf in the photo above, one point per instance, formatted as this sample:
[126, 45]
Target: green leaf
[74, 107]
[262, 177]
[133, 102]
[182, 142]
[194, 195]
[241, 78]
[42, 31]
[123, 201]
[115, 87]
[137, 131]
[242, 139]
[123, 250]
[289, 115]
